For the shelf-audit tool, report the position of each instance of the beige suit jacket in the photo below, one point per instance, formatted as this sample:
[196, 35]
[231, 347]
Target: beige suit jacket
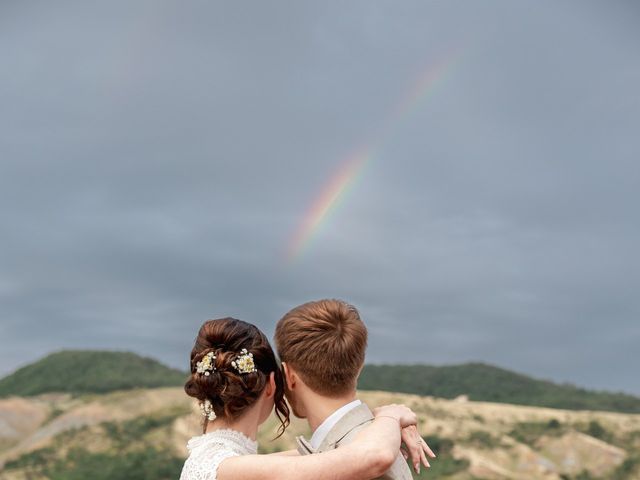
[344, 432]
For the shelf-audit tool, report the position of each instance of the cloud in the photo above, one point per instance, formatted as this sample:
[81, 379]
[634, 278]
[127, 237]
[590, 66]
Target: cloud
[157, 158]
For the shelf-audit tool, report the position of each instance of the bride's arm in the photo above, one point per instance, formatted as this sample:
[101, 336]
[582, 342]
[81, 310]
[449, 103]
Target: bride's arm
[372, 453]
[286, 453]
[363, 459]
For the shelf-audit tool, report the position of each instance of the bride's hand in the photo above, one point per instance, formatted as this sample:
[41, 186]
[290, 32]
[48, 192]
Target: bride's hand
[416, 447]
[403, 414]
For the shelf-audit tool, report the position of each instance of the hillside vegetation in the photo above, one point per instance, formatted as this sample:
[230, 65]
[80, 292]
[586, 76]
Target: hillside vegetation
[86, 371]
[140, 434]
[482, 382]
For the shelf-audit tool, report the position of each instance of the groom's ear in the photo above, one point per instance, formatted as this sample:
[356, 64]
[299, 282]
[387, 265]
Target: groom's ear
[290, 376]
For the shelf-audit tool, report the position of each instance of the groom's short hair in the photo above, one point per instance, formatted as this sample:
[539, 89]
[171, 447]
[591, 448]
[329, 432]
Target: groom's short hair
[325, 342]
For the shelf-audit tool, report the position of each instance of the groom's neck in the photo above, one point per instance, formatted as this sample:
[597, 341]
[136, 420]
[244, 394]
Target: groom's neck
[318, 407]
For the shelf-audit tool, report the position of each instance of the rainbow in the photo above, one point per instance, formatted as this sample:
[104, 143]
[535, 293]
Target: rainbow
[351, 167]
[328, 199]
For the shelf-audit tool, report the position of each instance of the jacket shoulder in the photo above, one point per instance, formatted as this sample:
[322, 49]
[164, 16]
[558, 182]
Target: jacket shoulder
[347, 427]
[346, 430]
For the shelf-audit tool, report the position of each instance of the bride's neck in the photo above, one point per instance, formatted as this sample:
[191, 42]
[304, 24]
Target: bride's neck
[246, 423]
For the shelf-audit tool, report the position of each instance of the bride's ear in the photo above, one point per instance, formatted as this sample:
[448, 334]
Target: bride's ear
[270, 388]
[272, 384]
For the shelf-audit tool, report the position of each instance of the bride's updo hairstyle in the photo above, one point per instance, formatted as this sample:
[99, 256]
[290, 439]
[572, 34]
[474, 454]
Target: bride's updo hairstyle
[231, 392]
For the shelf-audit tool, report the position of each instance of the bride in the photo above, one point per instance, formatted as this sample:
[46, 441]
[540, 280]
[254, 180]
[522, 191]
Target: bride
[236, 379]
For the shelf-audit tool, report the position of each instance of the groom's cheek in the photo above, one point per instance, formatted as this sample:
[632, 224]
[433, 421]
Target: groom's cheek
[297, 413]
[290, 399]
[292, 403]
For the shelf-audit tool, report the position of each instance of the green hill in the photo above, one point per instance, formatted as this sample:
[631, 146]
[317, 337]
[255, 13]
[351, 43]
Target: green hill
[80, 371]
[483, 382]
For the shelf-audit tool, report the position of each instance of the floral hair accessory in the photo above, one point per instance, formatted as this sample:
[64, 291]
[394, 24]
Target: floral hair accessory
[207, 409]
[206, 365]
[244, 362]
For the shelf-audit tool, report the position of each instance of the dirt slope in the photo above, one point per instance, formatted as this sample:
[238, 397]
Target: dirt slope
[479, 440]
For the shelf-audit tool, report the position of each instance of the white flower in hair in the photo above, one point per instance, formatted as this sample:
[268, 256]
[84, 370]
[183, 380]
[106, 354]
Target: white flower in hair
[244, 362]
[207, 409]
[206, 365]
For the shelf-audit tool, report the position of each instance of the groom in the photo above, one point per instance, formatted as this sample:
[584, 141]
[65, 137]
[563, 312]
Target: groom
[322, 347]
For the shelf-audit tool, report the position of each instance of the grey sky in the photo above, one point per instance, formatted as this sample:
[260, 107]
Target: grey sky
[156, 158]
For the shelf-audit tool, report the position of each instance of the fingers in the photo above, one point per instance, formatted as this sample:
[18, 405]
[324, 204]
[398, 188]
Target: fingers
[408, 434]
[414, 446]
[423, 457]
[425, 446]
[415, 459]
[428, 450]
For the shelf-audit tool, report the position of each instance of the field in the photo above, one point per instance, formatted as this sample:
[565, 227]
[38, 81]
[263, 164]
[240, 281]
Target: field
[138, 434]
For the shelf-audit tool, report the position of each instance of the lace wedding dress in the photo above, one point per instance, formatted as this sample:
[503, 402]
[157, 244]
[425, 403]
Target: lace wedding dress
[207, 451]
